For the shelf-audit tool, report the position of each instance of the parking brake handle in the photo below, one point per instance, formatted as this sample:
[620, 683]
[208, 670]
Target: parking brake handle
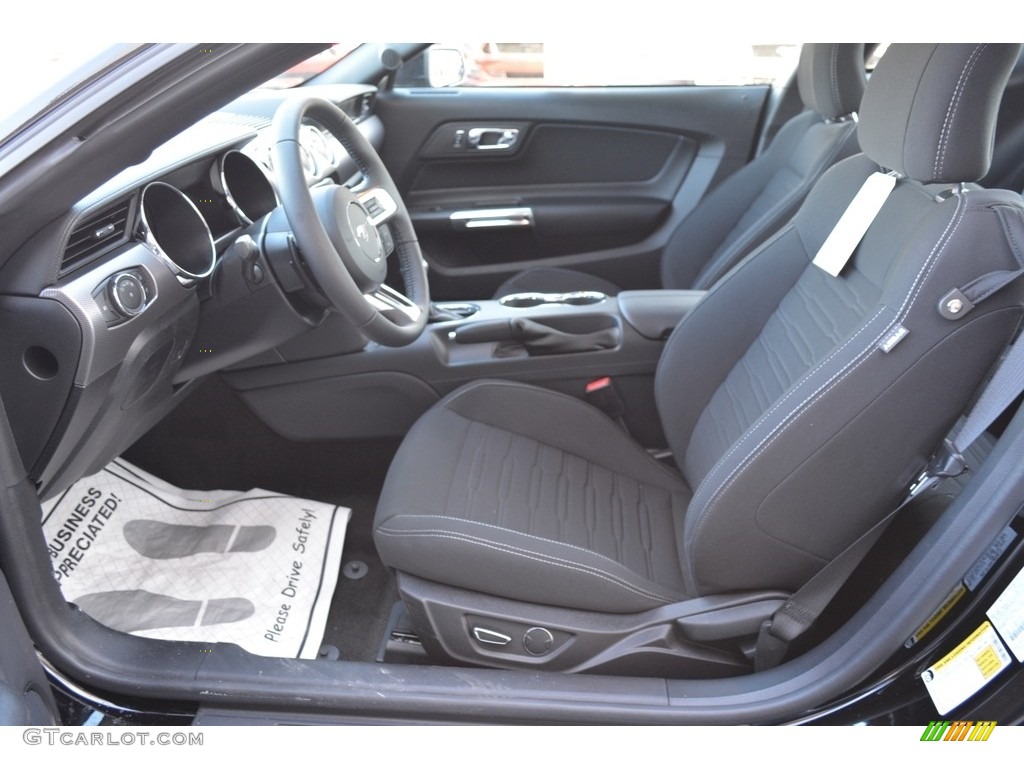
[536, 338]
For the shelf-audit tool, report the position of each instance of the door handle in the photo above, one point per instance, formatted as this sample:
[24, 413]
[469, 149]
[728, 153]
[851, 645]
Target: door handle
[490, 218]
[489, 139]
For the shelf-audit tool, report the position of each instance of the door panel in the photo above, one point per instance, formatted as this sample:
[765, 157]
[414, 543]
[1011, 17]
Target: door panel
[596, 178]
[25, 697]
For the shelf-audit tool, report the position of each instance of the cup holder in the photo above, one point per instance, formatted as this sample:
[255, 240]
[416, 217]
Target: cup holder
[573, 298]
[457, 308]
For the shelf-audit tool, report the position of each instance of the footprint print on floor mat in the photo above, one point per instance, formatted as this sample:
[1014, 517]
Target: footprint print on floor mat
[166, 541]
[132, 610]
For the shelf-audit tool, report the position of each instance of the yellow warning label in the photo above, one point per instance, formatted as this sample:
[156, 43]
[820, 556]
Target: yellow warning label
[966, 669]
[947, 605]
[988, 662]
[953, 655]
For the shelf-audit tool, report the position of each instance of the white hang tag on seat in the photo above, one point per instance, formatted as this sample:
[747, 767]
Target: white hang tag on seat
[839, 246]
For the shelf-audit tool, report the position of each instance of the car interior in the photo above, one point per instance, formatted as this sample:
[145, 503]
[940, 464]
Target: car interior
[502, 403]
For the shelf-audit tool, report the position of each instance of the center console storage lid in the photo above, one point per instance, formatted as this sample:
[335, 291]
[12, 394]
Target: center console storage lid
[654, 314]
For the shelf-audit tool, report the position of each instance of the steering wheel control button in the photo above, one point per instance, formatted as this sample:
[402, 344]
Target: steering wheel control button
[538, 641]
[379, 205]
[490, 637]
[127, 294]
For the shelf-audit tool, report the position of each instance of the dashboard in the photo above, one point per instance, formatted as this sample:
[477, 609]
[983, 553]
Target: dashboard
[158, 277]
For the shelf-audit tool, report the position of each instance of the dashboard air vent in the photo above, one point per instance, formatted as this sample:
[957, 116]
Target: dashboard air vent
[358, 107]
[97, 234]
[366, 104]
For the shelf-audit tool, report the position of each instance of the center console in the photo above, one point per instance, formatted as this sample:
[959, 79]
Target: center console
[562, 341]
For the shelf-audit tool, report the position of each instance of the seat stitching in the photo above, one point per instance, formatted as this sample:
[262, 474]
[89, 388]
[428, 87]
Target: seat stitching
[790, 393]
[527, 535]
[644, 529]
[790, 418]
[618, 521]
[562, 494]
[911, 296]
[635, 449]
[531, 555]
[451, 483]
[588, 501]
[534, 487]
[587, 497]
[477, 470]
[506, 473]
[858, 359]
[953, 108]
[915, 286]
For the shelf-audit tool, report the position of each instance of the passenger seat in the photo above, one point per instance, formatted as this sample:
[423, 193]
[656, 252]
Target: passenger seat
[749, 206]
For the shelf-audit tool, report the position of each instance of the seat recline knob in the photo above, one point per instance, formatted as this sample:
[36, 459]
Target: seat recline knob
[538, 641]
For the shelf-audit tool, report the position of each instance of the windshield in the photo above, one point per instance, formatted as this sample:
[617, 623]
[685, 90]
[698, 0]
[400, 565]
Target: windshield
[36, 75]
[32, 70]
[311, 67]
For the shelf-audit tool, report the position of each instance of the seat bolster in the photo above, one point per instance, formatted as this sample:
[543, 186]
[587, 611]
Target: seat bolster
[820, 147]
[714, 224]
[717, 335]
[561, 421]
[508, 563]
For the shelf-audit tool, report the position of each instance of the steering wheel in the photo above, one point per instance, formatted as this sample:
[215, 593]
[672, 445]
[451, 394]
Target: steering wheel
[337, 229]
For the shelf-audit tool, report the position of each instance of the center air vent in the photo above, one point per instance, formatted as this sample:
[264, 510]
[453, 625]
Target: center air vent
[99, 233]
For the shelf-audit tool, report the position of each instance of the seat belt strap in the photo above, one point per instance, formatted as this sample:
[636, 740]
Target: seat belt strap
[984, 286]
[805, 605]
[1002, 389]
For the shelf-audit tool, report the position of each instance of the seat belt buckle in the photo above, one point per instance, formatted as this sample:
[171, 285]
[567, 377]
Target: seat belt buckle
[947, 462]
[770, 649]
[603, 394]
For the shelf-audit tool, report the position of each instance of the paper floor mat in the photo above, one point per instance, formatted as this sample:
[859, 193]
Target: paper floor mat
[256, 568]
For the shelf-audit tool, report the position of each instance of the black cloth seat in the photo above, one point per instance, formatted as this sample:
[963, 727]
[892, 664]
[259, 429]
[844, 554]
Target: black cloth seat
[539, 496]
[746, 208]
[798, 405]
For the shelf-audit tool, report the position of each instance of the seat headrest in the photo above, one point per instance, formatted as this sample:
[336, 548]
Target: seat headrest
[830, 77]
[929, 111]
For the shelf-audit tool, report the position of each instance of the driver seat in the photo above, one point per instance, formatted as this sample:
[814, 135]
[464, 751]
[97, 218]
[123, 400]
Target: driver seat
[528, 529]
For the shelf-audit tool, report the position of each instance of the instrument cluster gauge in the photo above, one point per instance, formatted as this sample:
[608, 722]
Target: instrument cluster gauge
[314, 143]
